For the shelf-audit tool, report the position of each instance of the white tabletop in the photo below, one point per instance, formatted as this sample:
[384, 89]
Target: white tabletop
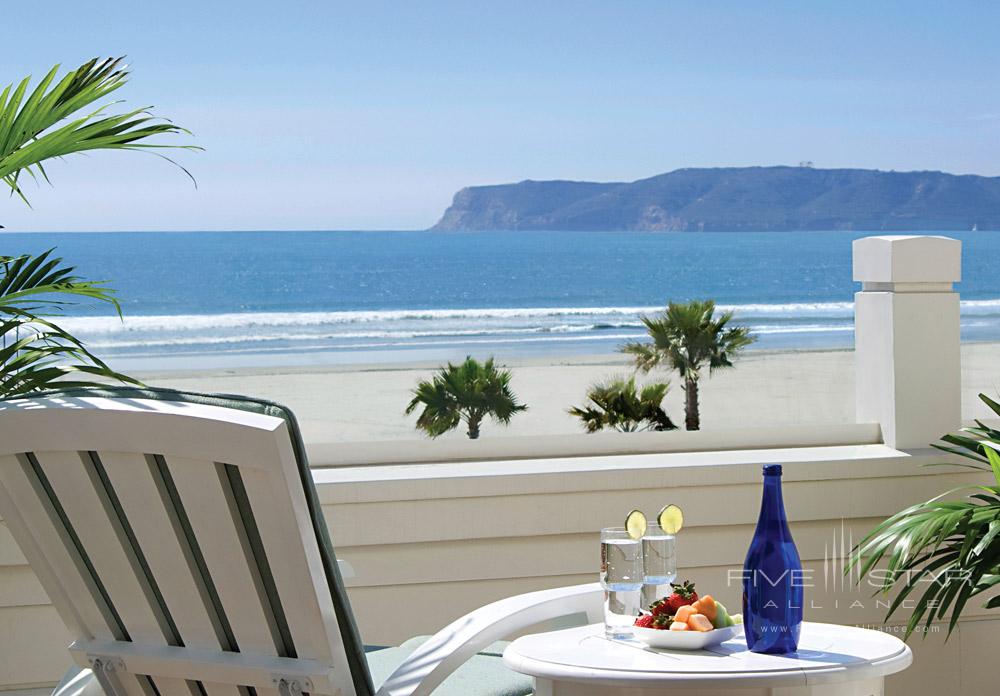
[827, 654]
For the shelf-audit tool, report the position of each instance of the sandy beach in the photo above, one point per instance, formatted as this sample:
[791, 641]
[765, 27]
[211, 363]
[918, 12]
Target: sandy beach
[366, 403]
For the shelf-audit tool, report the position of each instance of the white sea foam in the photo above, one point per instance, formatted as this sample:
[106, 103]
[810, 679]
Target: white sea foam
[395, 338]
[188, 322]
[271, 337]
[174, 322]
[414, 327]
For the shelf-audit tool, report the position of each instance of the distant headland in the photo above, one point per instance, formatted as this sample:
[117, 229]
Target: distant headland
[737, 199]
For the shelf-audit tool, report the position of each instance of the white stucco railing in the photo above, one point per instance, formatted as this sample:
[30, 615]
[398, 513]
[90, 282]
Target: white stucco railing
[906, 335]
[322, 455]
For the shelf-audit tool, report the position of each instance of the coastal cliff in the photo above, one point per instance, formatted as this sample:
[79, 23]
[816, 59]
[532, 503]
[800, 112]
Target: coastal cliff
[736, 199]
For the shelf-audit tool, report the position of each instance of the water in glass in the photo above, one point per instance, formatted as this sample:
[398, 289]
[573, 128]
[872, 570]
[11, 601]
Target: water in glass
[659, 559]
[621, 578]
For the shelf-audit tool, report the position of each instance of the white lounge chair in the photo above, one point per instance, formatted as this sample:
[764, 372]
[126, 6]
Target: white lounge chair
[181, 540]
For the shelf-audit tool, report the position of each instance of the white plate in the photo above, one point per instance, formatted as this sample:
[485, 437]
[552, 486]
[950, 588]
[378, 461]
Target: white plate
[685, 640]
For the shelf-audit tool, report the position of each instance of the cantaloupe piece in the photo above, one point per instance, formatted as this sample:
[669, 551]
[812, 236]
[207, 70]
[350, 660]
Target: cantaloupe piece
[698, 622]
[706, 605]
[684, 612]
[678, 626]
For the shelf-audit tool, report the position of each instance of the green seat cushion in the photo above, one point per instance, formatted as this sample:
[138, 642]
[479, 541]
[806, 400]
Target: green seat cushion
[496, 649]
[345, 617]
[483, 675]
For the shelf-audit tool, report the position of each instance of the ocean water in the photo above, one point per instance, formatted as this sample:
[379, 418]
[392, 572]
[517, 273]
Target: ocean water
[210, 299]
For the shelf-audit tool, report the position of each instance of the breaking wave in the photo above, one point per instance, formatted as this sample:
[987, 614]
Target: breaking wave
[367, 329]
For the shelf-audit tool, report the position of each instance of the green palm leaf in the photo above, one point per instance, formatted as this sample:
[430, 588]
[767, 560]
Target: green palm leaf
[948, 546]
[468, 392]
[36, 352]
[59, 117]
[620, 405]
[50, 121]
[687, 338]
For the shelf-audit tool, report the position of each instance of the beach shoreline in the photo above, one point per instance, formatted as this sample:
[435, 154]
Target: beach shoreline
[516, 361]
[365, 402]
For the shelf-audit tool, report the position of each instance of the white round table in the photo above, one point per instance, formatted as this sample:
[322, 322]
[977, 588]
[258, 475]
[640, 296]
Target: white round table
[831, 660]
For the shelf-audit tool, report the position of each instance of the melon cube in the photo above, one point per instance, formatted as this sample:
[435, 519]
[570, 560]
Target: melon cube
[699, 622]
[684, 613]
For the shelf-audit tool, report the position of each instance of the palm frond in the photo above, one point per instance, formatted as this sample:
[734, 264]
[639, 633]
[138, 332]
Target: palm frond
[467, 392]
[948, 546]
[35, 352]
[689, 337]
[34, 126]
[646, 355]
[44, 283]
[619, 404]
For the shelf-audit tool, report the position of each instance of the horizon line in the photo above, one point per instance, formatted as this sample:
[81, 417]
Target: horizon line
[8, 231]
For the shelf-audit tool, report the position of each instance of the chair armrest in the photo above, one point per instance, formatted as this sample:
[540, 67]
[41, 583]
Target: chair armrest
[450, 647]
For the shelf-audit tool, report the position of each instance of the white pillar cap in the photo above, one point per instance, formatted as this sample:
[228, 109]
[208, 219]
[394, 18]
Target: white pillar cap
[907, 259]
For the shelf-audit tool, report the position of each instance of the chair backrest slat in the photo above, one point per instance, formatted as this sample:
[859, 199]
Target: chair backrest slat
[290, 546]
[92, 507]
[53, 555]
[223, 542]
[147, 502]
[170, 526]
[118, 565]
[32, 504]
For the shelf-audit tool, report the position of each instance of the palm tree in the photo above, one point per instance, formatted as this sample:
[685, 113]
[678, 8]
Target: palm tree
[619, 405]
[468, 392]
[948, 547]
[688, 338]
[58, 118]
[35, 351]
[51, 121]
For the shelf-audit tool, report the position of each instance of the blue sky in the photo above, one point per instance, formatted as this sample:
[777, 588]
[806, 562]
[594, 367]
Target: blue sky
[333, 115]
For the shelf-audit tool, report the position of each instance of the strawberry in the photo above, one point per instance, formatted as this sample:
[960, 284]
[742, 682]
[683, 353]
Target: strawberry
[683, 594]
[662, 622]
[645, 621]
[660, 607]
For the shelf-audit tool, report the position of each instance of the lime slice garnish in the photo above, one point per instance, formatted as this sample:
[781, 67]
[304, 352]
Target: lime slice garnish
[635, 524]
[671, 519]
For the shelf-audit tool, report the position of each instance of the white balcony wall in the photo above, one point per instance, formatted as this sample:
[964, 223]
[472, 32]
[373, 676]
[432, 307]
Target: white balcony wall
[429, 542]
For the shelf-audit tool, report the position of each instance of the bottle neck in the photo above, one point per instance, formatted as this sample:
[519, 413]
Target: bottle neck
[772, 506]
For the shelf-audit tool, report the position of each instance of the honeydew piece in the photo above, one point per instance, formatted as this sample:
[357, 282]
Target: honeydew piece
[722, 618]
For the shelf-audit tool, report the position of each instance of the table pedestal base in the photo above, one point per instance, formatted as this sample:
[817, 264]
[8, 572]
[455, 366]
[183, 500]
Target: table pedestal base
[865, 687]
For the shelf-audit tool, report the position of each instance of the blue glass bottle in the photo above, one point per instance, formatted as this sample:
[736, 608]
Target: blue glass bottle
[772, 576]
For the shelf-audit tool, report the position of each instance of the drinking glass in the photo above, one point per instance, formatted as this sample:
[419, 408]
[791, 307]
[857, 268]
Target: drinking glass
[659, 561]
[621, 578]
